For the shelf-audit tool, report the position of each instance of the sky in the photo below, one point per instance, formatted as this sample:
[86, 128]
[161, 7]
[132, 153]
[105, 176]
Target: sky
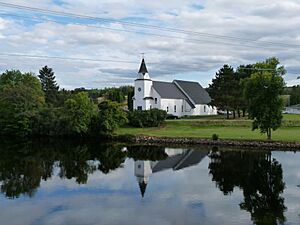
[209, 34]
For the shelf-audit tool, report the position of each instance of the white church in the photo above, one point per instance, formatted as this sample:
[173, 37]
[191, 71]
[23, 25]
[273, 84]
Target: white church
[179, 98]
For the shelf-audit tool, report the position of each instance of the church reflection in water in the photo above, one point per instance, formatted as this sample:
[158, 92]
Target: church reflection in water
[176, 159]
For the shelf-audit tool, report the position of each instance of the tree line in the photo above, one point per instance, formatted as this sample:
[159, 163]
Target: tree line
[34, 106]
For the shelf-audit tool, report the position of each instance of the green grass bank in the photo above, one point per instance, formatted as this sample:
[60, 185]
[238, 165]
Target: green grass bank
[205, 127]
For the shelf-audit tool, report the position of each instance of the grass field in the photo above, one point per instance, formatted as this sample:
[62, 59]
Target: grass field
[239, 129]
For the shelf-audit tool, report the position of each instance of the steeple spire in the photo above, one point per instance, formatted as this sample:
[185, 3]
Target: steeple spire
[143, 69]
[143, 186]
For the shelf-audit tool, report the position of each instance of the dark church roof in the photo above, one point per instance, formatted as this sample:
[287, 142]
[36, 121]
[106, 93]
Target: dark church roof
[194, 91]
[143, 68]
[168, 90]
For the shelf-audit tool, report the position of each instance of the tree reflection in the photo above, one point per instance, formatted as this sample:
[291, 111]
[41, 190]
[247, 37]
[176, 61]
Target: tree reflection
[74, 163]
[24, 165]
[260, 178]
[111, 157]
[151, 153]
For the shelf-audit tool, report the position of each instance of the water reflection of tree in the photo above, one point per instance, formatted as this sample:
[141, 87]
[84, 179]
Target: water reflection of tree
[22, 168]
[74, 163]
[260, 178]
[24, 165]
[111, 157]
[152, 153]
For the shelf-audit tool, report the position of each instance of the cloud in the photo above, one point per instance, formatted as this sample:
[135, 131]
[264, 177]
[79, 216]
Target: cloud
[181, 55]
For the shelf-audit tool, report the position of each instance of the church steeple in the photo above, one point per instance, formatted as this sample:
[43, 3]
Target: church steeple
[143, 68]
[143, 71]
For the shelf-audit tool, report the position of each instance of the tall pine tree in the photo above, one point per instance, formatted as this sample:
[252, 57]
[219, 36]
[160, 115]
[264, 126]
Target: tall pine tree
[223, 88]
[49, 85]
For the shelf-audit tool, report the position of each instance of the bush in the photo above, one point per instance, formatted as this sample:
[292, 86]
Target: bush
[215, 137]
[148, 118]
[110, 116]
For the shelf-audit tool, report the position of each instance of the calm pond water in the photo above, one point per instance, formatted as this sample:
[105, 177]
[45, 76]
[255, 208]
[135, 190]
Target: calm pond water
[92, 183]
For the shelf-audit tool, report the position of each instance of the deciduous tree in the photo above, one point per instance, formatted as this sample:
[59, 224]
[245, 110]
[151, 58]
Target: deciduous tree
[263, 92]
[21, 97]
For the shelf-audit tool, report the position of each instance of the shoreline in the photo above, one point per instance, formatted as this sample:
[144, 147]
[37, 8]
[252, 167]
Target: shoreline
[208, 142]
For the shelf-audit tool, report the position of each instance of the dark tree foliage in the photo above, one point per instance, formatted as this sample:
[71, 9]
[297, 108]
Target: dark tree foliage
[109, 117]
[130, 100]
[21, 98]
[49, 85]
[224, 89]
[295, 95]
[152, 153]
[147, 118]
[260, 178]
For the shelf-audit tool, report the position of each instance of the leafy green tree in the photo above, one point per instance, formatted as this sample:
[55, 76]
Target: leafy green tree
[263, 92]
[110, 117]
[77, 114]
[21, 97]
[49, 84]
[116, 95]
[47, 122]
[242, 72]
[223, 89]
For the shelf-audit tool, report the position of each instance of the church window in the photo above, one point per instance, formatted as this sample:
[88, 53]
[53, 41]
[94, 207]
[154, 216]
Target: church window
[139, 89]
[174, 108]
[155, 100]
[205, 108]
[139, 108]
[182, 108]
[150, 106]
[167, 109]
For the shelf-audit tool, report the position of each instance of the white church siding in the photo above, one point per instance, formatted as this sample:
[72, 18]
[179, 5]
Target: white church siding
[156, 99]
[170, 104]
[200, 110]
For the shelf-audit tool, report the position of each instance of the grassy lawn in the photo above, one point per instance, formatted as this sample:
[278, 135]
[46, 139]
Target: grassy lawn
[226, 129]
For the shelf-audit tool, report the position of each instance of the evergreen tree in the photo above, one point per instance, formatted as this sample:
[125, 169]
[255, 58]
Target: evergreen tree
[49, 85]
[223, 88]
